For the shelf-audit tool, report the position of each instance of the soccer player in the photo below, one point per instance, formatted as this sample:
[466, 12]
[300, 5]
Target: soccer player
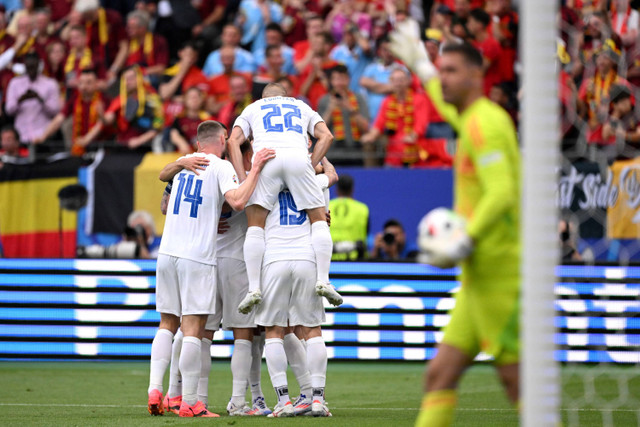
[232, 285]
[487, 194]
[280, 122]
[186, 272]
[289, 299]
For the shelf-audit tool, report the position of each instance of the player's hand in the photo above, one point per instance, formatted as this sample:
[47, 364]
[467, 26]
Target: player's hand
[262, 157]
[412, 52]
[223, 226]
[193, 163]
[445, 253]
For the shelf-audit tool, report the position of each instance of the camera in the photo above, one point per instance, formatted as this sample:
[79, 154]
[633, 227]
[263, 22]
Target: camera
[337, 95]
[121, 250]
[389, 238]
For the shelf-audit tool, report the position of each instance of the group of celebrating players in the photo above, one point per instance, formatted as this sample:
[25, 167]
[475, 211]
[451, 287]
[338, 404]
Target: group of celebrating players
[258, 254]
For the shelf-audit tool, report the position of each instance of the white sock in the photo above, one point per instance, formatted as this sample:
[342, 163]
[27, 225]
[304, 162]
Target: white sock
[190, 366]
[205, 369]
[240, 367]
[257, 348]
[175, 378]
[297, 358]
[160, 358]
[277, 365]
[317, 359]
[323, 247]
[253, 253]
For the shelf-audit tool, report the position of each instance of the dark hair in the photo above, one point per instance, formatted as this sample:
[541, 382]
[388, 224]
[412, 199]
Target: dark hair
[10, 128]
[274, 26]
[471, 55]
[392, 223]
[269, 49]
[208, 130]
[345, 184]
[89, 71]
[340, 69]
[245, 146]
[481, 16]
[80, 28]
[314, 16]
[328, 38]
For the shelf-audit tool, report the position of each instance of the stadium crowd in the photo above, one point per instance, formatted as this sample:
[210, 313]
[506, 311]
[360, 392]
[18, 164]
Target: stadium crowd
[143, 74]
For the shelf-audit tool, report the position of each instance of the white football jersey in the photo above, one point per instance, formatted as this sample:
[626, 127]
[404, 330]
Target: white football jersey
[288, 230]
[278, 122]
[231, 242]
[191, 226]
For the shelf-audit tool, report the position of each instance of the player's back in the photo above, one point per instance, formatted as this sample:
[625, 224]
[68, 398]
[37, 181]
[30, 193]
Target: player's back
[194, 209]
[230, 243]
[278, 122]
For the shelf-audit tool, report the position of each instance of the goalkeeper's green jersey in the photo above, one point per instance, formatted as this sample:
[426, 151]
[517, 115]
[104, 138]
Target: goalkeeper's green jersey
[487, 185]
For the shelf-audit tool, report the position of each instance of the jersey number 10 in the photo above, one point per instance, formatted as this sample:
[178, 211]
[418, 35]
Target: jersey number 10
[276, 111]
[289, 213]
[191, 194]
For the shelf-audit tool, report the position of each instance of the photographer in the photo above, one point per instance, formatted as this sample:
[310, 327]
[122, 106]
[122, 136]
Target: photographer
[391, 243]
[141, 229]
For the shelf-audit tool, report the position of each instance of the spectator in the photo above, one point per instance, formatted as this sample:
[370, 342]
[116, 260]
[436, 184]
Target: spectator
[243, 60]
[184, 130]
[504, 28]
[105, 30]
[142, 229]
[85, 107]
[183, 75]
[143, 48]
[11, 151]
[624, 22]
[620, 133]
[28, 11]
[54, 64]
[271, 72]
[296, 15]
[347, 14]
[42, 26]
[302, 49]
[136, 112]
[403, 120]
[375, 78]
[593, 96]
[355, 52]
[81, 58]
[220, 84]
[391, 243]
[25, 29]
[478, 25]
[274, 37]
[313, 80]
[501, 94]
[432, 43]
[33, 99]
[568, 250]
[254, 15]
[212, 13]
[240, 98]
[349, 223]
[346, 114]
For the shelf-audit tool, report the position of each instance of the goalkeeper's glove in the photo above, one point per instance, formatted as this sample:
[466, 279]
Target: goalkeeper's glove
[412, 52]
[446, 252]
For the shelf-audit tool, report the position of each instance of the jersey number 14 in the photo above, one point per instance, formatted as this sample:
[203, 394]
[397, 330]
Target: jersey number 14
[191, 194]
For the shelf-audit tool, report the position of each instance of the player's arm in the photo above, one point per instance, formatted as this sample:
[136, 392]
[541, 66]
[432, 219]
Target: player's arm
[191, 163]
[325, 139]
[238, 197]
[490, 140]
[233, 149]
[329, 171]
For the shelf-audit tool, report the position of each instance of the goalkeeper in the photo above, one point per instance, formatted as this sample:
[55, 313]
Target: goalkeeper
[487, 195]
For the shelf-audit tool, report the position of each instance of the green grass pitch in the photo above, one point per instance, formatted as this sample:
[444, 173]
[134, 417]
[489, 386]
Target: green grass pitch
[359, 394]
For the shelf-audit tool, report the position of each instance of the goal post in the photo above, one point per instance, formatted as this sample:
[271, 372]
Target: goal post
[539, 373]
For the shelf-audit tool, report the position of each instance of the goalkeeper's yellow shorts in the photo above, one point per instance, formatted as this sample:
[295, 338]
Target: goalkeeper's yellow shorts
[486, 318]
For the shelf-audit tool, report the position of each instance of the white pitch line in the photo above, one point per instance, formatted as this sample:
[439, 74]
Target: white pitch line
[82, 405]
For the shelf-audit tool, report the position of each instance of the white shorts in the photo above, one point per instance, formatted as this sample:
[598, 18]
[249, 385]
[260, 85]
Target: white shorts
[289, 295]
[233, 285]
[184, 287]
[291, 168]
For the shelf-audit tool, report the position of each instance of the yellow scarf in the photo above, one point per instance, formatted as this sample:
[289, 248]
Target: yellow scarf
[27, 46]
[77, 150]
[147, 49]
[141, 93]
[396, 109]
[601, 88]
[338, 120]
[85, 61]
[103, 28]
